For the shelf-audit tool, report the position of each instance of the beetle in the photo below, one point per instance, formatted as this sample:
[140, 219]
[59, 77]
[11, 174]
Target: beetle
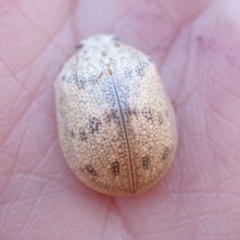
[116, 125]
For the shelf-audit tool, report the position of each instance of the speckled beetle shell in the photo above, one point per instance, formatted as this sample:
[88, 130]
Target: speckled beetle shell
[116, 125]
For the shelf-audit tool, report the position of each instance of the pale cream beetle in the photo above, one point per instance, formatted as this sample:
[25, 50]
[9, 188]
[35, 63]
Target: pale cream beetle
[116, 125]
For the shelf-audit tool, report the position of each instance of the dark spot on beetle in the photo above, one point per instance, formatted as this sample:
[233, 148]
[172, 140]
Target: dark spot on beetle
[72, 134]
[147, 113]
[140, 68]
[93, 80]
[165, 153]
[160, 118]
[145, 162]
[80, 45]
[140, 71]
[79, 81]
[131, 112]
[91, 170]
[83, 135]
[94, 125]
[128, 73]
[115, 168]
[111, 116]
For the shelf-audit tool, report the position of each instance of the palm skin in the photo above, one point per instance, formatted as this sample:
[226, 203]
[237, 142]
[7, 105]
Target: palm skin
[196, 47]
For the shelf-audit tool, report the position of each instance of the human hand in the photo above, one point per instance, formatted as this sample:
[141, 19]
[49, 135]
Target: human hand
[195, 45]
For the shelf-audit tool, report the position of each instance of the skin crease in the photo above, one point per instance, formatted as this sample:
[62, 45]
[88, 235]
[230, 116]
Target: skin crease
[196, 47]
